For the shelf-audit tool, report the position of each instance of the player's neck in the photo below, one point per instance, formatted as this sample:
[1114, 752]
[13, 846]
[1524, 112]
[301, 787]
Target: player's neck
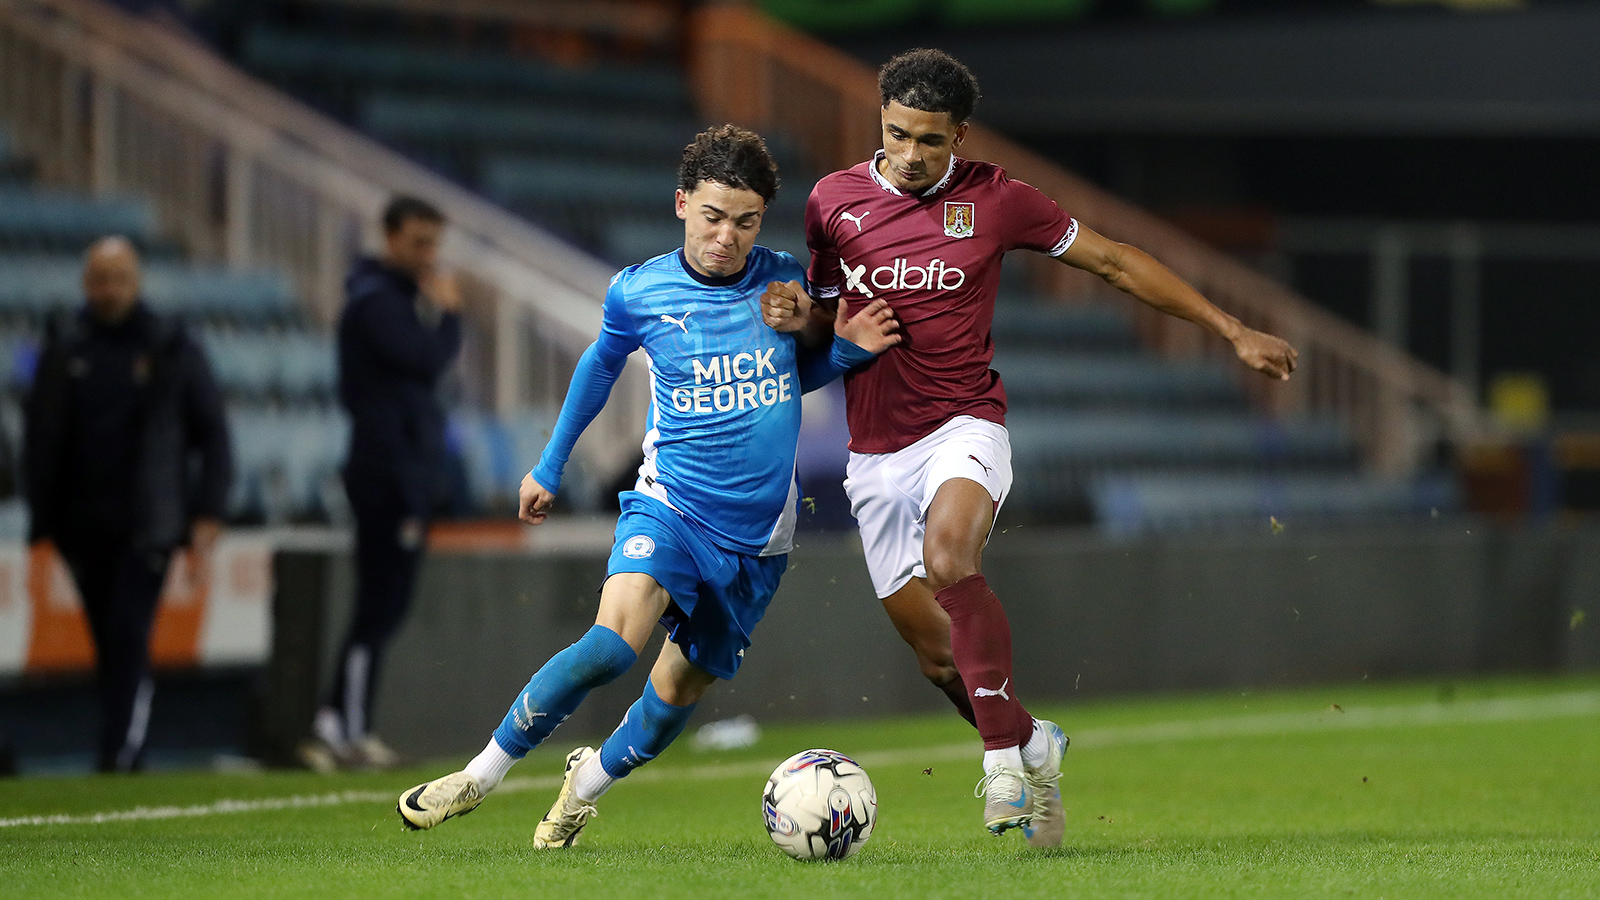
[707, 278]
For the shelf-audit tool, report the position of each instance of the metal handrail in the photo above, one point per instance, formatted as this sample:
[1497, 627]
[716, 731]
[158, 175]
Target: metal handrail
[750, 69]
[239, 172]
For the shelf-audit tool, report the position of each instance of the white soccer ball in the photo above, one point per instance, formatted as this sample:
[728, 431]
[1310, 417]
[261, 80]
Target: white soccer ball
[819, 804]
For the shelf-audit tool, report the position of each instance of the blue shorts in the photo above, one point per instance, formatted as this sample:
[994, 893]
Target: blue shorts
[718, 595]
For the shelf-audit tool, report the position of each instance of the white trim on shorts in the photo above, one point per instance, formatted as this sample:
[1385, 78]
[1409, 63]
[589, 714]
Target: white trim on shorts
[890, 492]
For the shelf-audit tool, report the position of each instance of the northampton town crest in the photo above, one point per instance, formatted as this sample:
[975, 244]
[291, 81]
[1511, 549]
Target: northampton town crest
[959, 219]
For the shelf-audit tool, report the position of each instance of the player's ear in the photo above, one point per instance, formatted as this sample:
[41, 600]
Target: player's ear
[680, 203]
[961, 134]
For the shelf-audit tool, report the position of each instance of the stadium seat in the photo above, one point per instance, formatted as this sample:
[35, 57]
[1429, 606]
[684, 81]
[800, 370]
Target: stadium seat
[519, 125]
[52, 220]
[36, 285]
[517, 180]
[1038, 377]
[326, 59]
[1161, 502]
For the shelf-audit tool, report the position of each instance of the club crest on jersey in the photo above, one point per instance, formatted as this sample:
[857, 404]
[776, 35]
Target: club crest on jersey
[960, 219]
[638, 547]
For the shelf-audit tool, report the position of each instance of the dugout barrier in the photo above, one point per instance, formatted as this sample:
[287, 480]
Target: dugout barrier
[1090, 616]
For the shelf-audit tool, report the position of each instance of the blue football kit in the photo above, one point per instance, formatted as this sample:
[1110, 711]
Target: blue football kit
[712, 515]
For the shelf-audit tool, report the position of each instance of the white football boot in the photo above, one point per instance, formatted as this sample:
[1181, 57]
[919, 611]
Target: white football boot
[560, 826]
[1049, 816]
[1008, 802]
[426, 805]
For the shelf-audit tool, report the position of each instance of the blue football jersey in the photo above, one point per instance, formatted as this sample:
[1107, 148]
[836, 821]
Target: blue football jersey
[724, 417]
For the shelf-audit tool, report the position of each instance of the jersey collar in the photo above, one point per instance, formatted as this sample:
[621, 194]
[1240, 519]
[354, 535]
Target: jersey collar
[872, 168]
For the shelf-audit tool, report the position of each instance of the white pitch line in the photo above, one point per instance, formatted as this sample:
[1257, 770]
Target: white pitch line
[1518, 709]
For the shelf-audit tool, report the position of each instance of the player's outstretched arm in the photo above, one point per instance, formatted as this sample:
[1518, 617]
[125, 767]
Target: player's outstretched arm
[1133, 271]
[857, 340]
[534, 501]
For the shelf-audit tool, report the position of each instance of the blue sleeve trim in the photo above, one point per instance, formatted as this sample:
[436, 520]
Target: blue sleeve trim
[818, 368]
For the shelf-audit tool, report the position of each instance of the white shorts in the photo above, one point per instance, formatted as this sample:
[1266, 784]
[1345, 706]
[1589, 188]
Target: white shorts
[890, 492]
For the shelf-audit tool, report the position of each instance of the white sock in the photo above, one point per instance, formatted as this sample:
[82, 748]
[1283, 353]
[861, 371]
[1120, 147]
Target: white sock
[1010, 757]
[592, 780]
[1037, 749]
[329, 727]
[490, 766]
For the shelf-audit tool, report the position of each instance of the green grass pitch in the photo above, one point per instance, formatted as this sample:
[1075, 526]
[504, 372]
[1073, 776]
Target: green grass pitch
[1481, 788]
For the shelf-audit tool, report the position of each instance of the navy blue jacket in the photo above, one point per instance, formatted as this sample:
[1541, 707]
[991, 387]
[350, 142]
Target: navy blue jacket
[115, 421]
[393, 348]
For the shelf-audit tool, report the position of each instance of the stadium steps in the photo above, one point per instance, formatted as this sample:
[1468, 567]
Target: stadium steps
[342, 72]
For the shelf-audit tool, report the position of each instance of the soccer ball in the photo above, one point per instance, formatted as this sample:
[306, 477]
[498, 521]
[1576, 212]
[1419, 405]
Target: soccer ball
[819, 804]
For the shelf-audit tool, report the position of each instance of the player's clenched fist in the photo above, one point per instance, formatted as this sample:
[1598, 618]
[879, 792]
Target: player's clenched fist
[533, 501]
[1267, 354]
[785, 306]
[874, 328]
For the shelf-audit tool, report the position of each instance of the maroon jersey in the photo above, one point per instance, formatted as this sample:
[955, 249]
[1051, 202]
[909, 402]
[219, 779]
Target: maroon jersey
[935, 257]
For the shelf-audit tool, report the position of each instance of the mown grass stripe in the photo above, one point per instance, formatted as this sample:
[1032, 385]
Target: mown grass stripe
[1512, 709]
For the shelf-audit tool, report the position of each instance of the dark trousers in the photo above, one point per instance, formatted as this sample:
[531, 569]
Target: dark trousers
[120, 587]
[389, 546]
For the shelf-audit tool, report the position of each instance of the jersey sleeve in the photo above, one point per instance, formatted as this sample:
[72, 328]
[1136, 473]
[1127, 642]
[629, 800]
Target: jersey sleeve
[597, 371]
[825, 279]
[1034, 221]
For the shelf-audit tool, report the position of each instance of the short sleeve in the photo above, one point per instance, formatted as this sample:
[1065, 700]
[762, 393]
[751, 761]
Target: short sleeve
[825, 278]
[1034, 221]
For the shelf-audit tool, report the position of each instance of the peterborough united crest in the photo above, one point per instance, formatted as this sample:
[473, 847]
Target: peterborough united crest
[960, 219]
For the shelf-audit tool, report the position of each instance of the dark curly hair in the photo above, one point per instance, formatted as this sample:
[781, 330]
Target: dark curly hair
[732, 156]
[929, 80]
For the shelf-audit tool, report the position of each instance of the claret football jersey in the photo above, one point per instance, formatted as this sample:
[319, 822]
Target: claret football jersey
[935, 257]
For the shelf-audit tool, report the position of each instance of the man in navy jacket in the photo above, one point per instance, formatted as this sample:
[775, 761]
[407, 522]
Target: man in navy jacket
[123, 406]
[399, 333]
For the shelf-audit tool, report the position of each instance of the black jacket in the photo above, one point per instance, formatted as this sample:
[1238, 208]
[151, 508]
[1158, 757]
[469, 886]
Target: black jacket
[393, 348]
[124, 433]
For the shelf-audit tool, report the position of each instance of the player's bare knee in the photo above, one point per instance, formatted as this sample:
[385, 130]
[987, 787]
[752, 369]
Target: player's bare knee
[946, 568]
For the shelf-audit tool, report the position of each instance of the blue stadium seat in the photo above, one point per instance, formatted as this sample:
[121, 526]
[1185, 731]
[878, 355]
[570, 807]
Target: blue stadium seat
[286, 461]
[497, 452]
[254, 363]
[1021, 324]
[36, 285]
[50, 219]
[1161, 502]
[1123, 380]
[1088, 440]
[489, 124]
[518, 180]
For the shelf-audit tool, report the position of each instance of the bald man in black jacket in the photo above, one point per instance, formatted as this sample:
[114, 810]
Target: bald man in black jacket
[127, 458]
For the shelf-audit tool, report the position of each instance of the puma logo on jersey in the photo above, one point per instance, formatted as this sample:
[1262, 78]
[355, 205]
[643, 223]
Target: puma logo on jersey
[1001, 693]
[854, 278]
[681, 323]
[986, 469]
[855, 219]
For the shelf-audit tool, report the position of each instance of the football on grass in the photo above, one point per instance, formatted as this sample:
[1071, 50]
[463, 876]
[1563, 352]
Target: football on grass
[819, 804]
